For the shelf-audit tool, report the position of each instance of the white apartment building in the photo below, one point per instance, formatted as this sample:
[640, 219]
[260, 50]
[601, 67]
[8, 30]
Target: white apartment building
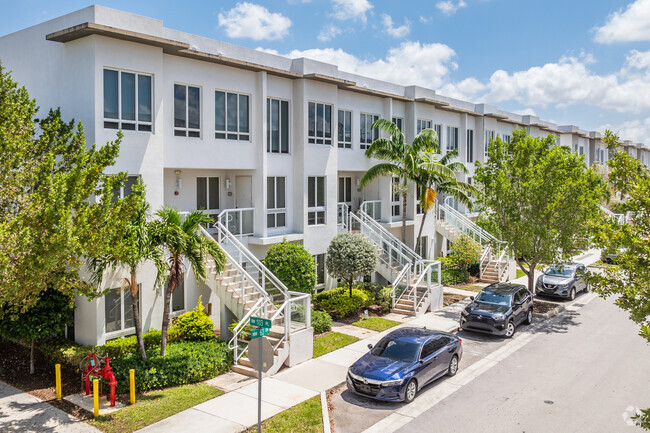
[211, 125]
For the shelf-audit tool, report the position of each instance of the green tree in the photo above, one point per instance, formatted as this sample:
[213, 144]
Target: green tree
[55, 201]
[293, 265]
[401, 159]
[464, 252]
[540, 197]
[47, 316]
[130, 252]
[350, 256]
[180, 239]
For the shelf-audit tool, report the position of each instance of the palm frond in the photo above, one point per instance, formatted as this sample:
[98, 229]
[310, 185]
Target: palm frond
[389, 127]
[436, 168]
[427, 139]
[385, 149]
[382, 169]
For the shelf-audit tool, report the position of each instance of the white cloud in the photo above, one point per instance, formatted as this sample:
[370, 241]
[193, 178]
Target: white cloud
[351, 9]
[629, 25]
[637, 130]
[526, 112]
[425, 20]
[466, 89]
[396, 32]
[450, 7]
[248, 20]
[329, 32]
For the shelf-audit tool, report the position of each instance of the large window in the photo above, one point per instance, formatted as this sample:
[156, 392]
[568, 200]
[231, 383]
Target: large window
[118, 310]
[187, 111]
[128, 98]
[452, 138]
[418, 206]
[345, 190]
[319, 259]
[423, 124]
[207, 193]
[315, 200]
[398, 121]
[489, 137]
[423, 249]
[507, 138]
[126, 189]
[438, 129]
[470, 145]
[178, 297]
[368, 134]
[276, 207]
[231, 116]
[395, 197]
[345, 129]
[320, 123]
[277, 132]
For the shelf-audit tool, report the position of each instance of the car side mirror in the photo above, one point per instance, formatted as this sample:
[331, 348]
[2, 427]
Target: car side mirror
[370, 346]
[471, 298]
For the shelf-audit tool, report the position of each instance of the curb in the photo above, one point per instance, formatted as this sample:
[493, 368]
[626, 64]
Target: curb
[325, 413]
[554, 312]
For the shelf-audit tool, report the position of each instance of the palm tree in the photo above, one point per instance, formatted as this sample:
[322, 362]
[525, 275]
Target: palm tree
[431, 183]
[401, 159]
[130, 251]
[180, 238]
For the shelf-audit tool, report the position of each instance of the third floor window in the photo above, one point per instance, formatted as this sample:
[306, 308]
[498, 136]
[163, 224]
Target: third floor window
[470, 145]
[277, 129]
[423, 124]
[368, 134]
[452, 138]
[127, 101]
[320, 123]
[231, 116]
[345, 129]
[187, 111]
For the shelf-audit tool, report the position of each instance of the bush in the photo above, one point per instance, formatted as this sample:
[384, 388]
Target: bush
[293, 265]
[384, 300]
[321, 322]
[185, 362]
[464, 252]
[192, 326]
[62, 351]
[127, 346]
[453, 276]
[339, 304]
[245, 333]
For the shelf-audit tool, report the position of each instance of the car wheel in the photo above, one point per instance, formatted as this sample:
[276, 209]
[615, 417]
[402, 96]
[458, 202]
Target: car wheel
[453, 366]
[411, 390]
[529, 317]
[572, 294]
[510, 329]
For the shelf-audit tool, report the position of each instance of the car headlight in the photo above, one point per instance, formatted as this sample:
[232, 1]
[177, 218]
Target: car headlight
[562, 286]
[539, 282]
[392, 382]
[464, 313]
[499, 316]
[354, 376]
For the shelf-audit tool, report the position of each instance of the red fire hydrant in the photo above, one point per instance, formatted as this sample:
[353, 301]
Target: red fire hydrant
[95, 369]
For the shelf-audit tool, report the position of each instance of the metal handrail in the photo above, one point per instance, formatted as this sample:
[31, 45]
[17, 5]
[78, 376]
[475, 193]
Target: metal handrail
[427, 272]
[342, 212]
[382, 238]
[500, 260]
[372, 203]
[378, 227]
[233, 343]
[405, 272]
[619, 217]
[485, 260]
[225, 215]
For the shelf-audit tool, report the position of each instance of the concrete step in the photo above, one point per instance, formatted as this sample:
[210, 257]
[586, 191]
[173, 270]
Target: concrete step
[406, 312]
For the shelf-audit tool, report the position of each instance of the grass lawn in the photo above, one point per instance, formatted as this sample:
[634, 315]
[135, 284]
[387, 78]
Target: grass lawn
[305, 417]
[153, 406]
[376, 323]
[470, 287]
[520, 273]
[328, 342]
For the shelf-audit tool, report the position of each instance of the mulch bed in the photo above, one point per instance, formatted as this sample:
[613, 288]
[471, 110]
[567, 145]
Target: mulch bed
[542, 307]
[373, 311]
[450, 298]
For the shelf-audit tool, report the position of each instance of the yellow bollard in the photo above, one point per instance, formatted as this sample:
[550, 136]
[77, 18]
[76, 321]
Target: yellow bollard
[95, 398]
[57, 373]
[132, 384]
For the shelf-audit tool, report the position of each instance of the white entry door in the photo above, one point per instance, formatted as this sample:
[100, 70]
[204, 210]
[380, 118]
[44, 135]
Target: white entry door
[243, 191]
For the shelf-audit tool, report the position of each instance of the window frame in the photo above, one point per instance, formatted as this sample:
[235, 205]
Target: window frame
[137, 123]
[450, 135]
[320, 258]
[489, 133]
[438, 128]
[317, 210]
[124, 292]
[209, 210]
[276, 211]
[188, 132]
[269, 146]
[344, 144]
[469, 156]
[395, 198]
[225, 134]
[423, 124]
[122, 193]
[374, 132]
[316, 139]
[345, 180]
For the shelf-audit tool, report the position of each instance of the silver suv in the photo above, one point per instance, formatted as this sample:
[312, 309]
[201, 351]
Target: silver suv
[563, 280]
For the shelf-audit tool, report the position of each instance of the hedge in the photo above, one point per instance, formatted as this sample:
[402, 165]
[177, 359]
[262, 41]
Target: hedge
[338, 303]
[453, 276]
[321, 322]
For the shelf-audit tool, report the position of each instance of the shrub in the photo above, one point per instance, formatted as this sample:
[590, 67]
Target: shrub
[321, 322]
[384, 300]
[62, 351]
[464, 252]
[350, 256]
[454, 276]
[185, 362]
[293, 265]
[339, 304]
[245, 333]
[194, 325]
[127, 346]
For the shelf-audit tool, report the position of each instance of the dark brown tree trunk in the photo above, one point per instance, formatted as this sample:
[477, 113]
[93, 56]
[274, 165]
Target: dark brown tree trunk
[531, 277]
[350, 286]
[173, 280]
[31, 358]
[135, 302]
[404, 216]
[419, 239]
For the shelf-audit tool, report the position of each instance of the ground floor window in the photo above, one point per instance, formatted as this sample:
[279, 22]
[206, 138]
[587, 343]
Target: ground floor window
[178, 297]
[319, 259]
[118, 310]
[423, 247]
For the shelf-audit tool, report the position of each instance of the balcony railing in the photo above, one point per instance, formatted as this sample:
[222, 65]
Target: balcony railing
[239, 222]
[372, 208]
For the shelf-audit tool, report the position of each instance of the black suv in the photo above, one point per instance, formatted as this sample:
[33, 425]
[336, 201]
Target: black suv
[498, 309]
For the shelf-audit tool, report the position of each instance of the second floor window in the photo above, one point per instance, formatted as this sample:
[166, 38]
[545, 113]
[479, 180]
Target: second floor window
[398, 121]
[207, 193]
[319, 259]
[438, 129]
[418, 203]
[368, 134]
[452, 138]
[128, 100]
[489, 137]
[187, 111]
[470, 145]
[345, 129]
[276, 208]
[277, 126]
[126, 189]
[423, 124]
[507, 138]
[395, 197]
[345, 190]
[315, 200]
[320, 123]
[231, 116]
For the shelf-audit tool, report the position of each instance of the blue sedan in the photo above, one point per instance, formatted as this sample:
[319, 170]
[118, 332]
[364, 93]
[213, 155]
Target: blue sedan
[403, 362]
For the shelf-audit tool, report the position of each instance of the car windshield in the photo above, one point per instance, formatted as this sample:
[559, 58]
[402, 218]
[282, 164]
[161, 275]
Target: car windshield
[397, 350]
[557, 272]
[494, 298]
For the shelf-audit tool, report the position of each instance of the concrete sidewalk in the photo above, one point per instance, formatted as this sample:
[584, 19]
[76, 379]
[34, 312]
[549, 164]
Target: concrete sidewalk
[22, 412]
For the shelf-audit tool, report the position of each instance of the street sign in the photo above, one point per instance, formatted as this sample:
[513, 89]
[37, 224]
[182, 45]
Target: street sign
[260, 323]
[259, 332]
[263, 355]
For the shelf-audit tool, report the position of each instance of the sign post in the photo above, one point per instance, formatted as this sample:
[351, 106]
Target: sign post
[260, 358]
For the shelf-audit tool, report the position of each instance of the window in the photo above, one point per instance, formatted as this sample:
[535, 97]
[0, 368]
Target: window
[320, 123]
[126, 189]
[178, 297]
[207, 193]
[187, 111]
[345, 129]
[469, 180]
[470, 145]
[438, 129]
[345, 190]
[423, 247]
[395, 202]
[315, 200]
[398, 122]
[276, 208]
[581, 150]
[118, 310]
[418, 208]
[231, 116]
[319, 259]
[368, 134]
[423, 124]
[277, 132]
[507, 138]
[452, 138]
[489, 136]
[127, 101]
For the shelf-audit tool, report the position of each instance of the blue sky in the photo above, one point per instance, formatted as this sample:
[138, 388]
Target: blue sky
[573, 62]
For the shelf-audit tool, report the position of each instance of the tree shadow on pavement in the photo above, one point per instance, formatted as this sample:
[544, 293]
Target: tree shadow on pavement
[34, 417]
[561, 323]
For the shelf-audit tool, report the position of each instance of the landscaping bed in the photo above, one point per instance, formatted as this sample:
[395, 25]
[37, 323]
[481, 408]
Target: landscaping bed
[542, 307]
[330, 341]
[450, 298]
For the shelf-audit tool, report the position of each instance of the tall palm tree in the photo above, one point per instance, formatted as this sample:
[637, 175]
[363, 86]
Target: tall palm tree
[431, 183]
[401, 159]
[130, 251]
[180, 238]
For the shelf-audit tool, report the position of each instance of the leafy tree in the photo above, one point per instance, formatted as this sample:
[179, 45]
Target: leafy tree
[49, 216]
[464, 252]
[401, 159]
[47, 316]
[350, 256]
[130, 252]
[541, 198]
[179, 237]
[293, 265]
